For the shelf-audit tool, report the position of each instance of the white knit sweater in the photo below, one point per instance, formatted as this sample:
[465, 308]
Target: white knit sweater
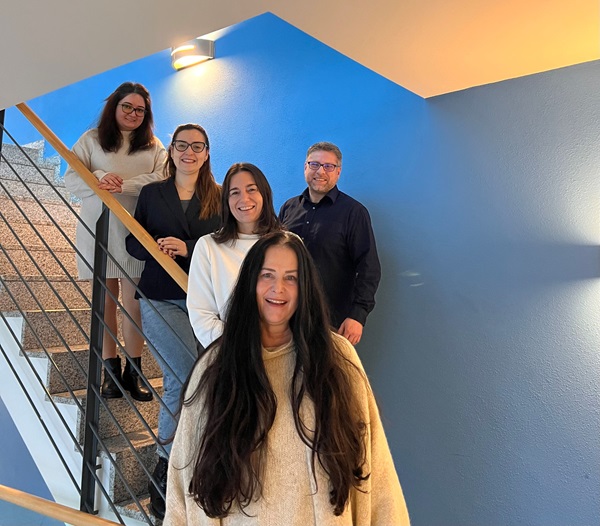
[290, 496]
[214, 269]
[137, 170]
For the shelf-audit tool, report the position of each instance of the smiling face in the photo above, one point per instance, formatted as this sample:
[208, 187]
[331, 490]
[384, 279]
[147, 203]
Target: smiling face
[319, 181]
[277, 292]
[188, 162]
[245, 202]
[130, 121]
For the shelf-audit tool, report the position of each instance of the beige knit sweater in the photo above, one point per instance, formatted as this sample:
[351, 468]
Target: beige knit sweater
[290, 496]
[137, 170]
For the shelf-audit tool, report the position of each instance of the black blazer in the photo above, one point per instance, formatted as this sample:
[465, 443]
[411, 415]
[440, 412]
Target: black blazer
[160, 212]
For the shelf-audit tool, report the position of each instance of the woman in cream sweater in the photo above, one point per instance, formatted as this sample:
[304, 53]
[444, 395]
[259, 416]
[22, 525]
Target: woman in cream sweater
[124, 155]
[279, 425]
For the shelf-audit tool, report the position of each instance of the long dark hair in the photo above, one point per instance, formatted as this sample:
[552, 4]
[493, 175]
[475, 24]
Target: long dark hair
[207, 189]
[267, 222]
[109, 135]
[240, 405]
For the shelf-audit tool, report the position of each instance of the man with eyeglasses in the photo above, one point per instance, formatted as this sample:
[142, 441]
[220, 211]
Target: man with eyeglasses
[337, 231]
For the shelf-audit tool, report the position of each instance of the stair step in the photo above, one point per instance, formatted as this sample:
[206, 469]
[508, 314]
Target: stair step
[47, 262]
[60, 212]
[121, 410]
[43, 293]
[52, 325]
[43, 192]
[128, 508]
[34, 150]
[27, 173]
[130, 466]
[65, 362]
[33, 240]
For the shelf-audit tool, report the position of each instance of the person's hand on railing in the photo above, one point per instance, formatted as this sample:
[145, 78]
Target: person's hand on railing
[111, 182]
[172, 246]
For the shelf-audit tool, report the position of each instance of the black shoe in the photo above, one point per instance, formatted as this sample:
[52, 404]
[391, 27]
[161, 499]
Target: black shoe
[157, 502]
[133, 383]
[110, 387]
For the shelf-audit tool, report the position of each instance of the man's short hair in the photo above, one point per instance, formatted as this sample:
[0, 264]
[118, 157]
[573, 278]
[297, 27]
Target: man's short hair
[326, 147]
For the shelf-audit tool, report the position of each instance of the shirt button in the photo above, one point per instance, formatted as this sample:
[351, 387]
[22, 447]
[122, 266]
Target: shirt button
[307, 222]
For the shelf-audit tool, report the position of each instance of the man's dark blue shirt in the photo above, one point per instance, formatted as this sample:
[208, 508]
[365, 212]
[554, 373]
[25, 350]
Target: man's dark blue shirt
[338, 234]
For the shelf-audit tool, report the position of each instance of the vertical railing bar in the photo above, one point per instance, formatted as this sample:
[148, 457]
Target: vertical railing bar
[2, 114]
[92, 410]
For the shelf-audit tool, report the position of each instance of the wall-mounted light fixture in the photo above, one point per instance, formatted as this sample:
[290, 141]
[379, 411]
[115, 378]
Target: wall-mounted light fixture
[192, 52]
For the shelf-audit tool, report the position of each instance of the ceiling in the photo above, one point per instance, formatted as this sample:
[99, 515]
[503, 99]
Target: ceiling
[430, 47]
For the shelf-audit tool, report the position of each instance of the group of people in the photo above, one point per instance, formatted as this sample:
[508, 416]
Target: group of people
[272, 415]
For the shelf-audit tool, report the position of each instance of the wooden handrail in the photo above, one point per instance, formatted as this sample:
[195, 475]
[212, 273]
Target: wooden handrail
[51, 509]
[107, 198]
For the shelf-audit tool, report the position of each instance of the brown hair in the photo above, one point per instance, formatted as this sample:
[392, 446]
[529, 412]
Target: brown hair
[109, 135]
[240, 406]
[268, 221]
[207, 189]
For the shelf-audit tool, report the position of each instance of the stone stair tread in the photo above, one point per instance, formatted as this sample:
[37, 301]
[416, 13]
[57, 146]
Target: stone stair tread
[129, 508]
[38, 294]
[39, 353]
[52, 211]
[65, 362]
[15, 261]
[81, 394]
[139, 439]
[53, 278]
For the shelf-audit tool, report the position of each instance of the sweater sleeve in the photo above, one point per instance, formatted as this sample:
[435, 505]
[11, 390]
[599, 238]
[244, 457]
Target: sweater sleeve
[181, 509]
[134, 185]
[178, 474]
[383, 504]
[83, 149]
[201, 301]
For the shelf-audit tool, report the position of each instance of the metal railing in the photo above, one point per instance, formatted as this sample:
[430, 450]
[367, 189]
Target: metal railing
[50, 509]
[93, 442]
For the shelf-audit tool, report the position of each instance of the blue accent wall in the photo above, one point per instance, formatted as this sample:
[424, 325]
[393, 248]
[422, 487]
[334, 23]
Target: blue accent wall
[483, 349]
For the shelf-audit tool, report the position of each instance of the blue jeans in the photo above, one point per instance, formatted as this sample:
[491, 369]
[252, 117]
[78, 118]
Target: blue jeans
[171, 340]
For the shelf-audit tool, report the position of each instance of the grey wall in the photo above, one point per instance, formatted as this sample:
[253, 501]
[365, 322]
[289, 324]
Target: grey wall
[488, 346]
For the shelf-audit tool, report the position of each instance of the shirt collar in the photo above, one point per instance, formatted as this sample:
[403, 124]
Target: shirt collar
[332, 195]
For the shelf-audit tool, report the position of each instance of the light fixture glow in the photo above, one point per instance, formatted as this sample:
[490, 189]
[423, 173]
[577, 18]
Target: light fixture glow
[192, 52]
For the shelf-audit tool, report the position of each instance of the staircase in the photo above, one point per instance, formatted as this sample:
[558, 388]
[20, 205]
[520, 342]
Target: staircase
[44, 333]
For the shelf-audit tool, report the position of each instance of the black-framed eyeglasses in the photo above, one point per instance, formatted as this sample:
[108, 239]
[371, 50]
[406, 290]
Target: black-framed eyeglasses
[128, 108]
[182, 146]
[328, 167]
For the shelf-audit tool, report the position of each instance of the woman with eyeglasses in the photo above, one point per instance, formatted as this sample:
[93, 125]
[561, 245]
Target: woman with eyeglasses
[246, 214]
[176, 212]
[124, 155]
[279, 424]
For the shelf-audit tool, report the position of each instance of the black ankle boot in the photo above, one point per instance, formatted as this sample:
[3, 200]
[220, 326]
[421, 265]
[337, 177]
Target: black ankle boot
[110, 387]
[133, 383]
[157, 503]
